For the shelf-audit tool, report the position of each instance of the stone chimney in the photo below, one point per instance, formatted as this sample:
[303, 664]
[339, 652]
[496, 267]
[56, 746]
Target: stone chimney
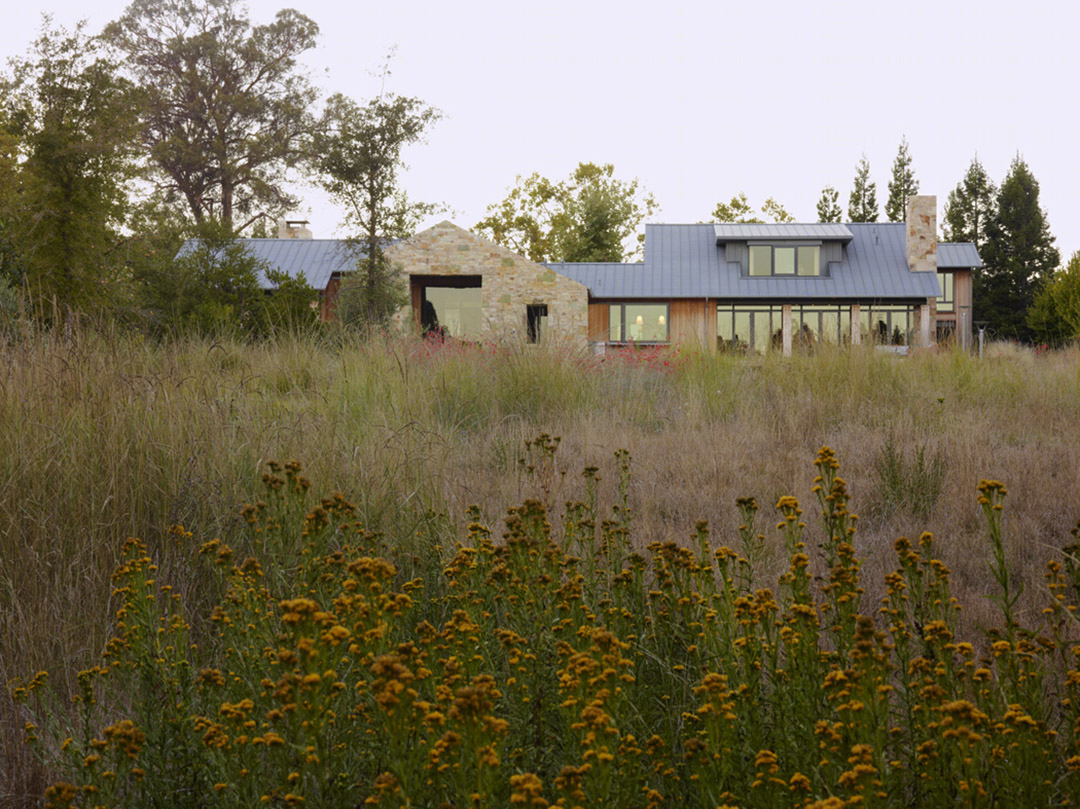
[293, 229]
[922, 234]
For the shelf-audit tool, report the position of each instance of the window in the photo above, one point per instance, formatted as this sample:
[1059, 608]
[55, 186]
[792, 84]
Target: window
[638, 322]
[887, 325]
[451, 306]
[946, 301]
[811, 325]
[749, 328]
[535, 320]
[760, 328]
[802, 260]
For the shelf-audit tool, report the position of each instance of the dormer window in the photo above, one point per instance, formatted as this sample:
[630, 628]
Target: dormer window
[785, 260]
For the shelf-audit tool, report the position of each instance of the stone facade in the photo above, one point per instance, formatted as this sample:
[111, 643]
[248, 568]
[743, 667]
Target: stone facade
[922, 233]
[509, 284]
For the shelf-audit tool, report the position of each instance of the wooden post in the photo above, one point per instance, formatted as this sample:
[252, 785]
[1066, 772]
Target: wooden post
[856, 330]
[785, 317]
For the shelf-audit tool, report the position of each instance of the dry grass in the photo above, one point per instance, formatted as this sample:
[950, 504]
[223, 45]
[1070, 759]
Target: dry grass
[107, 436]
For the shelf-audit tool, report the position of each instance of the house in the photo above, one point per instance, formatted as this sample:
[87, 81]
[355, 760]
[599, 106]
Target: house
[758, 287]
[738, 287]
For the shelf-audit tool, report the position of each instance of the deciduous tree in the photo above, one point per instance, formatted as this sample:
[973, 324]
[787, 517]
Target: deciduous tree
[67, 126]
[740, 210]
[1055, 314]
[591, 216]
[225, 109]
[358, 153]
[902, 186]
[862, 204]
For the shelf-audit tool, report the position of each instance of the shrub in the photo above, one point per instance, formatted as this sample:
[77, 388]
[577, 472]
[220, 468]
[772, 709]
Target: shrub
[562, 667]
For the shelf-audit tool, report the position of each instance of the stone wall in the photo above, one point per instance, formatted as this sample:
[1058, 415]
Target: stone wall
[509, 283]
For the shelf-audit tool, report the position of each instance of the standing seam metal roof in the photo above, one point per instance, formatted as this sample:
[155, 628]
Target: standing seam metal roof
[741, 232]
[316, 260]
[957, 255]
[684, 261]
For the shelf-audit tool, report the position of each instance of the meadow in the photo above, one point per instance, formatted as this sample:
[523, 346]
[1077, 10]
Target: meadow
[508, 575]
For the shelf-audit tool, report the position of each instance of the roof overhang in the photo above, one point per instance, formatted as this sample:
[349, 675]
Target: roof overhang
[745, 232]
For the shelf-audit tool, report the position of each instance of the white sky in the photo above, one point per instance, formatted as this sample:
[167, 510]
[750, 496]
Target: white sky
[699, 101]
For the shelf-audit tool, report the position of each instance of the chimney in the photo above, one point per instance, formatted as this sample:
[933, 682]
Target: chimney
[293, 229]
[922, 233]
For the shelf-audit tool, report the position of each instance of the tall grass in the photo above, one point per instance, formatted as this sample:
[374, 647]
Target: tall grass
[106, 436]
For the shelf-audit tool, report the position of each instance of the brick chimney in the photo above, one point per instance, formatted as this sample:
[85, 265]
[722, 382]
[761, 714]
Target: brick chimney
[922, 233]
[293, 229]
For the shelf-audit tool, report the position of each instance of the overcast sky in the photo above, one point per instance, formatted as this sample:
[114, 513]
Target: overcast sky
[700, 101]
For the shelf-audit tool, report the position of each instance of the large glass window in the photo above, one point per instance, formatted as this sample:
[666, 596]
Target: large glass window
[767, 259]
[638, 322]
[451, 306]
[748, 328]
[887, 325]
[946, 301]
[811, 325]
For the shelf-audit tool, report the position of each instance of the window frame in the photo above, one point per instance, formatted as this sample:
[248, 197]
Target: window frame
[536, 315]
[795, 246]
[623, 338]
[946, 302]
[461, 284]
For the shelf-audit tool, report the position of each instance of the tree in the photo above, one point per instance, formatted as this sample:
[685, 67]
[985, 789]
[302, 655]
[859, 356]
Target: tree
[970, 207]
[862, 204]
[358, 154]
[225, 110]
[591, 216]
[1055, 314]
[213, 288]
[739, 210]
[67, 127]
[902, 186]
[828, 207]
[1018, 256]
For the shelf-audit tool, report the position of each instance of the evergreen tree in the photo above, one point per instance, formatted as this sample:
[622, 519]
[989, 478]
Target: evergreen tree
[862, 204]
[970, 207]
[902, 186]
[828, 207]
[1019, 256]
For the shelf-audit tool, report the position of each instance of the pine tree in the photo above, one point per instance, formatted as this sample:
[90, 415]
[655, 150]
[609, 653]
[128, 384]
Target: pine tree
[970, 207]
[828, 207]
[1019, 255]
[902, 186]
[862, 204]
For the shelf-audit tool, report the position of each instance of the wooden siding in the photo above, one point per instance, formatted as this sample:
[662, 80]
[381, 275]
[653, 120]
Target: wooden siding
[690, 322]
[328, 299]
[598, 322]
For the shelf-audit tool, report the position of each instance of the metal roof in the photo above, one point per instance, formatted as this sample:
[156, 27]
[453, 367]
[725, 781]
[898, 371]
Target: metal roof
[957, 255]
[316, 260]
[684, 261]
[741, 232]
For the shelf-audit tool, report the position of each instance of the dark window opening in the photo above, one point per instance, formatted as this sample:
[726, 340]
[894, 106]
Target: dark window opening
[535, 314]
[448, 306]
